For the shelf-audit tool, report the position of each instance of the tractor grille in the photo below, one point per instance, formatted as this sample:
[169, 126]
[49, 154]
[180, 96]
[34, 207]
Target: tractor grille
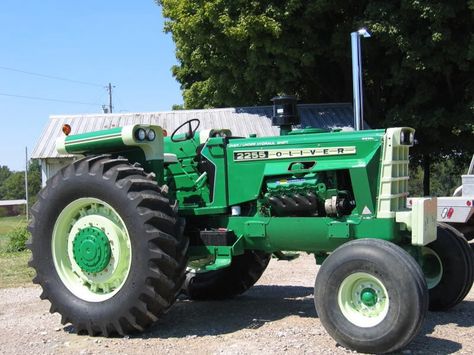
[393, 188]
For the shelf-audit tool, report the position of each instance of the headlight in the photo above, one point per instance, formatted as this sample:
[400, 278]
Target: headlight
[151, 135]
[140, 134]
[407, 137]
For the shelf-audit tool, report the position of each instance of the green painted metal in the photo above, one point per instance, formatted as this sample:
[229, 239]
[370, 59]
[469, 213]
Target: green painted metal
[247, 176]
[368, 296]
[98, 140]
[121, 141]
[208, 258]
[308, 130]
[363, 299]
[91, 249]
[76, 223]
[227, 183]
[321, 234]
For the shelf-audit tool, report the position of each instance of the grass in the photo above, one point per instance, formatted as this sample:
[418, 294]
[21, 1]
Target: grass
[14, 270]
[7, 224]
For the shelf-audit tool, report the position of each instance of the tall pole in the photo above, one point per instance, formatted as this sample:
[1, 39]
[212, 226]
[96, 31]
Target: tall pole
[357, 77]
[26, 182]
[110, 97]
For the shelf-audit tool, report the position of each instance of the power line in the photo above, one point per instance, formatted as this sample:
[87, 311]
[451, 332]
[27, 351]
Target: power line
[49, 99]
[118, 107]
[49, 76]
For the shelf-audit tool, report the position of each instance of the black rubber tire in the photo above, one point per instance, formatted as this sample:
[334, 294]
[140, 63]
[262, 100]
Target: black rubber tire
[231, 281]
[158, 248]
[406, 288]
[457, 262]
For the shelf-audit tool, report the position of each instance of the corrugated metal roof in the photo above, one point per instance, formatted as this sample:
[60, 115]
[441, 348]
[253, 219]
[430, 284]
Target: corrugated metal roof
[242, 121]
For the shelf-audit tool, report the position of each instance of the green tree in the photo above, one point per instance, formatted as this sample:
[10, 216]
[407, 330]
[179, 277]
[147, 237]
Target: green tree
[446, 177]
[427, 79]
[13, 187]
[177, 107]
[419, 67]
[34, 181]
[4, 174]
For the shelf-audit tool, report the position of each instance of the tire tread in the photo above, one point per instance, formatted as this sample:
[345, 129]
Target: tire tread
[167, 247]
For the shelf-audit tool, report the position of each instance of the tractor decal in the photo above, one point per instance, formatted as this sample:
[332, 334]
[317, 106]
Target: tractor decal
[292, 153]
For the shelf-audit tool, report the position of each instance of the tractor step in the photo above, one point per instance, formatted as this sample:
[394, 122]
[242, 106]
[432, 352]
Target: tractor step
[218, 237]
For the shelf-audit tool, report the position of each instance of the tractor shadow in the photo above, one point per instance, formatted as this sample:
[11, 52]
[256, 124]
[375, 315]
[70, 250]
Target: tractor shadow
[265, 303]
[430, 341]
[259, 305]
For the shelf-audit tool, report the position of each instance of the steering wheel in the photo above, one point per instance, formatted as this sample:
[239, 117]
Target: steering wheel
[189, 134]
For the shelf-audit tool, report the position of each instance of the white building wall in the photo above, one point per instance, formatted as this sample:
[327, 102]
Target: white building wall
[49, 167]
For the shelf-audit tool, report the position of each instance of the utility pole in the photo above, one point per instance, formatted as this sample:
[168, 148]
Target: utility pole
[109, 89]
[26, 182]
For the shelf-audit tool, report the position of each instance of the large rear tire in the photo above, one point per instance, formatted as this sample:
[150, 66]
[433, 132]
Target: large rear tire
[371, 296]
[107, 247]
[448, 267]
[243, 273]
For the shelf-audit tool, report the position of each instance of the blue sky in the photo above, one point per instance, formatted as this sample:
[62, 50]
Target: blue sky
[98, 42]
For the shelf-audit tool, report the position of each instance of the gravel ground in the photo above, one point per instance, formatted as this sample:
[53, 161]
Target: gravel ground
[275, 316]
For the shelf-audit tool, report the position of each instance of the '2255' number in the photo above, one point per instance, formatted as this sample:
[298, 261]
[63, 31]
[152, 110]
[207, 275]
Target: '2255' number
[258, 154]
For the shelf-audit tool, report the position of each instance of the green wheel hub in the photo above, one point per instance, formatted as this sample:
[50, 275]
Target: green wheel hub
[363, 299]
[368, 296]
[91, 249]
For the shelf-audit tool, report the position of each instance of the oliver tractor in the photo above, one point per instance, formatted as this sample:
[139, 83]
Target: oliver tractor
[118, 234]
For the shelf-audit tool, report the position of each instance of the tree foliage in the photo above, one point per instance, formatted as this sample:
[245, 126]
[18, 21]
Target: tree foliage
[421, 71]
[4, 174]
[446, 178]
[12, 184]
[34, 181]
[419, 64]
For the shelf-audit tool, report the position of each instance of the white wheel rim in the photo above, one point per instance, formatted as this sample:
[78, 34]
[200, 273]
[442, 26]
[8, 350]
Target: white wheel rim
[363, 299]
[432, 267]
[91, 212]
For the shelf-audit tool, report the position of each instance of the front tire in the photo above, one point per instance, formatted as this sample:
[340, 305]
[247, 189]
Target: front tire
[107, 247]
[371, 296]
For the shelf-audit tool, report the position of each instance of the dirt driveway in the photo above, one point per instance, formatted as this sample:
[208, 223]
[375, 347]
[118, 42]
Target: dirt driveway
[275, 316]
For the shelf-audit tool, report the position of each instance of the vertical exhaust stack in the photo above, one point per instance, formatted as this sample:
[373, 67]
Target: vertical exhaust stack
[285, 113]
[357, 77]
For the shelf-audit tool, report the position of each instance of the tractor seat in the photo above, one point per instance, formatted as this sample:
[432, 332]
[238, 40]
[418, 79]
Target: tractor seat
[204, 135]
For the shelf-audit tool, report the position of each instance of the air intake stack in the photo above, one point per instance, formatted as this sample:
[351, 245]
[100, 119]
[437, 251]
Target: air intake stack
[285, 113]
[357, 77]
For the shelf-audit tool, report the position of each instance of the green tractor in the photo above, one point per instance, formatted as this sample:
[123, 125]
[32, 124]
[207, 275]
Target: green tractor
[119, 233]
